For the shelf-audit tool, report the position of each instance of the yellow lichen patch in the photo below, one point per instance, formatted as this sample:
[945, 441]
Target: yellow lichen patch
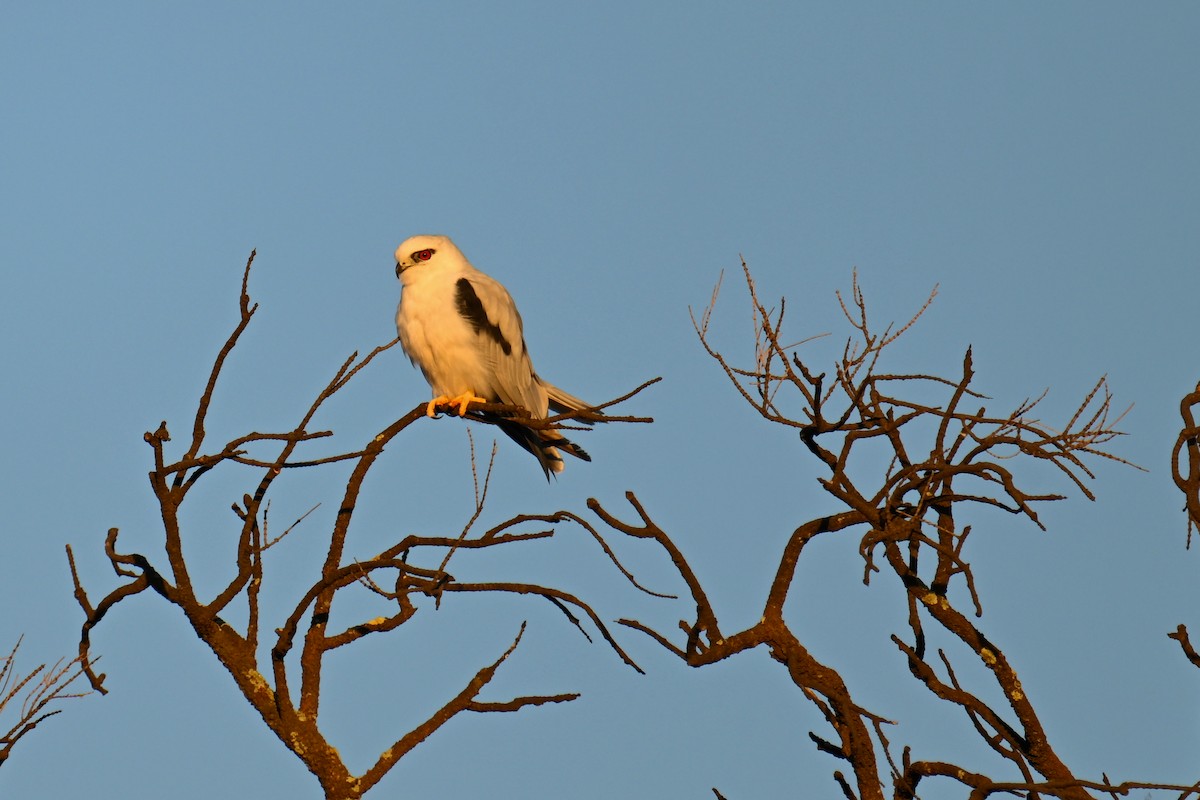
[378, 621]
[255, 677]
[988, 657]
[1016, 694]
[930, 599]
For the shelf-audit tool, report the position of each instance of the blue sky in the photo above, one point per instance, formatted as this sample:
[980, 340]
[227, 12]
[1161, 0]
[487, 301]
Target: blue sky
[1037, 162]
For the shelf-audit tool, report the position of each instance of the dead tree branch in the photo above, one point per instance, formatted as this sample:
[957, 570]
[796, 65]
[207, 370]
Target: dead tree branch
[943, 458]
[1185, 459]
[42, 686]
[1185, 471]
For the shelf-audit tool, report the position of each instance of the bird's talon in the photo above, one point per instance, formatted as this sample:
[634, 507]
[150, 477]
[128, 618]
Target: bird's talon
[464, 400]
[435, 405]
[456, 404]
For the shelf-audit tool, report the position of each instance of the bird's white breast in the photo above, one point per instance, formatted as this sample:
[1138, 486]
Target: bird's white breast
[436, 337]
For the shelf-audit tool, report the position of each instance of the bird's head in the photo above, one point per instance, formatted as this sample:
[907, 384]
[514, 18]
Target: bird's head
[422, 252]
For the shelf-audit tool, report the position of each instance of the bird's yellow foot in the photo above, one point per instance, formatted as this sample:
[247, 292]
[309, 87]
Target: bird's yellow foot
[458, 404]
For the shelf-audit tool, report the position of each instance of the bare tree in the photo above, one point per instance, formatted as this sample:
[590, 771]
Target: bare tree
[908, 458]
[42, 687]
[941, 458]
[287, 690]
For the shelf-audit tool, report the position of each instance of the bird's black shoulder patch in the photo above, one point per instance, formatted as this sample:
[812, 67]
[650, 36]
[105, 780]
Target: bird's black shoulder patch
[472, 311]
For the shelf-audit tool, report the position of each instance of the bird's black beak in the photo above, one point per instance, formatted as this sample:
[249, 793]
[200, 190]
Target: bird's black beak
[399, 269]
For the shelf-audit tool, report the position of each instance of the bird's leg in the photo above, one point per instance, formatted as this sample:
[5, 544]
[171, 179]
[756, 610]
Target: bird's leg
[462, 401]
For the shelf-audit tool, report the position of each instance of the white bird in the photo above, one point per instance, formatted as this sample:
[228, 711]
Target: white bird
[463, 330]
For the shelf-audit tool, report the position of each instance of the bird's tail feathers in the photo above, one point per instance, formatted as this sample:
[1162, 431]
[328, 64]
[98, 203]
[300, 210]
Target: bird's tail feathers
[547, 446]
[562, 402]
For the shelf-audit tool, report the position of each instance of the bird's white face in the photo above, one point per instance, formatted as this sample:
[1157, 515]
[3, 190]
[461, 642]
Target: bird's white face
[421, 250]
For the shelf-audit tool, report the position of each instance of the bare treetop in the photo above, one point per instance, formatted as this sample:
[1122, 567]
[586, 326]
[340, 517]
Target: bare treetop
[286, 691]
[938, 460]
[909, 459]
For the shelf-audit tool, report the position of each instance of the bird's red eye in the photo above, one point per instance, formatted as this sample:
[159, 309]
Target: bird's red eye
[422, 255]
